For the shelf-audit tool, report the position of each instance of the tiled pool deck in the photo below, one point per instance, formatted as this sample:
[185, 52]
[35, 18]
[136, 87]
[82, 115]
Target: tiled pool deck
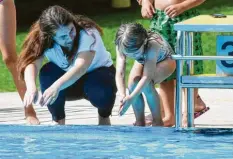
[83, 113]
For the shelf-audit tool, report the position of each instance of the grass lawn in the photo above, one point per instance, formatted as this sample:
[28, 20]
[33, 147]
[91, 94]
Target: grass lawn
[112, 21]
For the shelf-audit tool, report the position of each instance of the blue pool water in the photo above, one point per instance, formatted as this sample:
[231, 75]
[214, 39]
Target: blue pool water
[68, 142]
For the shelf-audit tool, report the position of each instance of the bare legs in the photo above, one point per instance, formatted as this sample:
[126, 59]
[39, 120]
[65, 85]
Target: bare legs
[138, 105]
[167, 94]
[152, 98]
[162, 70]
[104, 121]
[7, 47]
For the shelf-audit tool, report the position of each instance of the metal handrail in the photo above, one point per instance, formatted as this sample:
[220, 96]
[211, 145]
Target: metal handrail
[182, 57]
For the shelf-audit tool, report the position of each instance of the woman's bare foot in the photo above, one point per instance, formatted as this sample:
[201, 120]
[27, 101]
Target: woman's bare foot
[59, 122]
[104, 121]
[32, 120]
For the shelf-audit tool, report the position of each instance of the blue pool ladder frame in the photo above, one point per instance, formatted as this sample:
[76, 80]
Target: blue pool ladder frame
[188, 82]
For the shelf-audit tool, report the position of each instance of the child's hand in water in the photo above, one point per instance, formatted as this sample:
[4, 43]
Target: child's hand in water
[125, 104]
[174, 10]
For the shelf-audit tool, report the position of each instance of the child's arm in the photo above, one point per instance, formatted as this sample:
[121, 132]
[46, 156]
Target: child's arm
[189, 4]
[148, 72]
[120, 73]
[176, 9]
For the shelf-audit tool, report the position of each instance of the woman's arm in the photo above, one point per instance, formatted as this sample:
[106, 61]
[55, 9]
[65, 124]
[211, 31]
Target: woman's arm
[120, 72]
[80, 67]
[31, 72]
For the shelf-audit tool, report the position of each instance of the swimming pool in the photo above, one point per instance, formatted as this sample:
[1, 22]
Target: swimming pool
[68, 142]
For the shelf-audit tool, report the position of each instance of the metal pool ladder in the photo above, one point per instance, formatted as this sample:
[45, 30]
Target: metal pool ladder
[184, 52]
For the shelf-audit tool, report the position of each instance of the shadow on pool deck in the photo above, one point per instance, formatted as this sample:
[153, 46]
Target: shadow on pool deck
[83, 113]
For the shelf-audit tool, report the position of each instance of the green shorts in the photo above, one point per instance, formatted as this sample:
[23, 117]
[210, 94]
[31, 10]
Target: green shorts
[165, 26]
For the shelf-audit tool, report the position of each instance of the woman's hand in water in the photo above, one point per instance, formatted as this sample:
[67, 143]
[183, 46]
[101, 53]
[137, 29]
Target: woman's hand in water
[30, 96]
[49, 96]
[174, 10]
[125, 104]
[147, 9]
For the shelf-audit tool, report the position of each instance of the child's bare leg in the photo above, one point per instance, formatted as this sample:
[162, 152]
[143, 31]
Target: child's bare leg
[163, 70]
[167, 94]
[139, 111]
[161, 106]
[149, 118]
[153, 101]
[138, 107]
[167, 97]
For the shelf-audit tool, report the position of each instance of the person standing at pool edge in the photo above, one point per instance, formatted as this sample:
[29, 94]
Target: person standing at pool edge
[164, 15]
[79, 64]
[8, 50]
